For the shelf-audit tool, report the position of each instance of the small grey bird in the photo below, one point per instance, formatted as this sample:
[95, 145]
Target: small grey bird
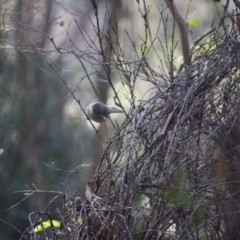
[100, 112]
[90, 195]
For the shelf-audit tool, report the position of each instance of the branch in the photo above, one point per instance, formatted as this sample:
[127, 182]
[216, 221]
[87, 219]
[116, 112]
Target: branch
[183, 27]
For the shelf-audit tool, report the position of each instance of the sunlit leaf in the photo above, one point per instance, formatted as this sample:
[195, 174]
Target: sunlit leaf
[46, 224]
[51, 223]
[193, 22]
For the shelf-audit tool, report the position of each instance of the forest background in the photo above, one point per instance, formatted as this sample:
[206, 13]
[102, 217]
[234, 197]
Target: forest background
[49, 53]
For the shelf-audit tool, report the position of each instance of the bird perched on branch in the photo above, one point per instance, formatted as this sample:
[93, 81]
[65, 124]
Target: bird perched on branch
[100, 112]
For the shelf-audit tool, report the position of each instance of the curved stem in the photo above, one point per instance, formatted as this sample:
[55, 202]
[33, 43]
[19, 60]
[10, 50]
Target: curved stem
[183, 27]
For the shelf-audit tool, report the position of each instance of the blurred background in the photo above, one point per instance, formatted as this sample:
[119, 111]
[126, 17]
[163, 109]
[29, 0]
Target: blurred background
[43, 131]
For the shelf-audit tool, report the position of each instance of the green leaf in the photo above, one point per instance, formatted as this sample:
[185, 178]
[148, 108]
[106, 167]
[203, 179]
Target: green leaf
[203, 237]
[174, 67]
[193, 22]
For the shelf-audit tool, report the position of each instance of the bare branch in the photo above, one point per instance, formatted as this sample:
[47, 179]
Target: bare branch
[183, 28]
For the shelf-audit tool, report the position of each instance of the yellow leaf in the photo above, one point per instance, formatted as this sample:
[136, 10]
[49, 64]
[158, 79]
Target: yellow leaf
[46, 224]
[193, 22]
[54, 223]
[80, 221]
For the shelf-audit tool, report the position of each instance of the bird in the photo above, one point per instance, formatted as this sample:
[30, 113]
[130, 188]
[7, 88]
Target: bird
[90, 195]
[99, 112]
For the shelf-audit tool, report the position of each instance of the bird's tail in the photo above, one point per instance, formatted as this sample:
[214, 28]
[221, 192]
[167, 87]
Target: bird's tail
[114, 109]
